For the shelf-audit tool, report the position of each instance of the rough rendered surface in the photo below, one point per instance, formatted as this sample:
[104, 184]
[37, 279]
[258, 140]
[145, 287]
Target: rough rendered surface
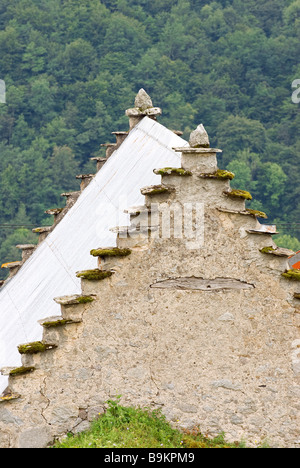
[224, 357]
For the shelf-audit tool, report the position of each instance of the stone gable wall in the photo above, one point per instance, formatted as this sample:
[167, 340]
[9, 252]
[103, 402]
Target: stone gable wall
[204, 326]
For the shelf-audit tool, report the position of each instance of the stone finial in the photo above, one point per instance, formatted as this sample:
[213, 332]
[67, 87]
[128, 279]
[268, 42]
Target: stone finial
[143, 100]
[143, 107]
[199, 138]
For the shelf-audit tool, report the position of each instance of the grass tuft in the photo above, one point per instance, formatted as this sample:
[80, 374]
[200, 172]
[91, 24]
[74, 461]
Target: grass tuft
[128, 427]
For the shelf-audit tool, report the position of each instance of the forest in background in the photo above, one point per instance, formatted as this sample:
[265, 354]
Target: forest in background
[72, 67]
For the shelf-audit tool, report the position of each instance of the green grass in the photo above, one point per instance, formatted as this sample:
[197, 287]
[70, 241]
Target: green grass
[121, 427]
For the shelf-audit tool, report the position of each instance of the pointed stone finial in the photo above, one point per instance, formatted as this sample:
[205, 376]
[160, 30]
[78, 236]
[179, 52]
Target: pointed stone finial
[199, 138]
[143, 107]
[143, 100]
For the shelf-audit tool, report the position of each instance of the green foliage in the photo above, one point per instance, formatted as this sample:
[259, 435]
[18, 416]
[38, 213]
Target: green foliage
[72, 68]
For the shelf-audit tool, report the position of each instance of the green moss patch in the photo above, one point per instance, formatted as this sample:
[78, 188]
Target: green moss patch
[85, 299]
[20, 371]
[234, 193]
[165, 171]
[292, 274]
[113, 252]
[56, 323]
[267, 250]
[156, 190]
[219, 175]
[35, 347]
[94, 275]
[257, 213]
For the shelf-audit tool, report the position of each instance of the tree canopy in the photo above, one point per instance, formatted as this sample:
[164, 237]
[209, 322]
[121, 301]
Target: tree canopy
[72, 67]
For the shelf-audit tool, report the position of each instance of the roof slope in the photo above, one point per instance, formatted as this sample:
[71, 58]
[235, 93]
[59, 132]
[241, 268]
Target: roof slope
[51, 270]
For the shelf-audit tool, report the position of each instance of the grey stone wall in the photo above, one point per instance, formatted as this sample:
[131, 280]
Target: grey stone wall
[204, 326]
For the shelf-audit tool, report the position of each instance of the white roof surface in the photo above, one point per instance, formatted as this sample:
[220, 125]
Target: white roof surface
[51, 270]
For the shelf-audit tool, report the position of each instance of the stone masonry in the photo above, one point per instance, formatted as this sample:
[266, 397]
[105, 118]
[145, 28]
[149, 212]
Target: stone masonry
[190, 313]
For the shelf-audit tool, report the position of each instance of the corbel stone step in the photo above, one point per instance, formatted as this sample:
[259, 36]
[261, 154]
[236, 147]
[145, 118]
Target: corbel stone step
[197, 151]
[56, 212]
[137, 210]
[94, 275]
[71, 197]
[36, 347]
[85, 180]
[110, 149]
[110, 252]
[43, 232]
[153, 190]
[279, 251]
[57, 321]
[100, 162]
[27, 250]
[217, 175]
[246, 212]
[264, 230]
[120, 137]
[13, 268]
[172, 171]
[9, 397]
[238, 194]
[127, 231]
[16, 371]
[292, 274]
[75, 299]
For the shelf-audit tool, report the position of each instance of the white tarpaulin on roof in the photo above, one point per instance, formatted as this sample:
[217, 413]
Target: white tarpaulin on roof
[51, 270]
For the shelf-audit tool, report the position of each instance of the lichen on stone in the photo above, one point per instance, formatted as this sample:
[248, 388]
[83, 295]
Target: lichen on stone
[292, 274]
[9, 397]
[235, 193]
[110, 252]
[165, 171]
[219, 174]
[94, 275]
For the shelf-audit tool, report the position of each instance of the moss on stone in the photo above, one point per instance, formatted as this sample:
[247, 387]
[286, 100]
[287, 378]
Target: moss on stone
[257, 213]
[165, 171]
[292, 274]
[56, 323]
[94, 275]
[85, 299]
[235, 193]
[35, 347]
[113, 252]
[156, 190]
[267, 250]
[20, 371]
[219, 174]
